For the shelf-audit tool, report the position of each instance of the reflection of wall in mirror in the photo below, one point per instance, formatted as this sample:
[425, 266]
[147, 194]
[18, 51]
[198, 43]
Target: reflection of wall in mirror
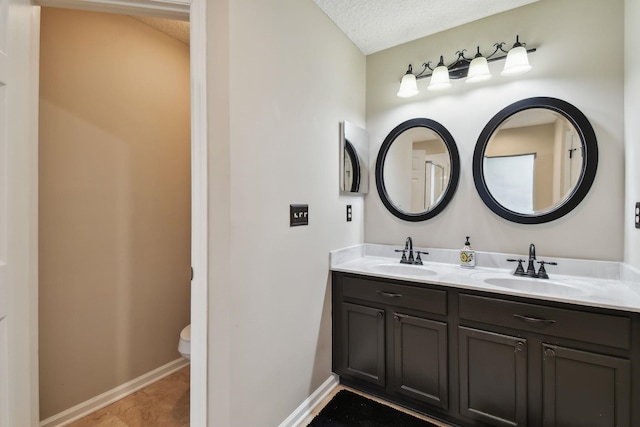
[397, 171]
[549, 143]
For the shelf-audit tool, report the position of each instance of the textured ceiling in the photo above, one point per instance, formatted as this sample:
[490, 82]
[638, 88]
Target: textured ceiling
[179, 30]
[374, 25]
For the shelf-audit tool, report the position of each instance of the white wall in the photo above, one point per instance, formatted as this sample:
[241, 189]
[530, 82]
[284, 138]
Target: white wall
[293, 76]
[580, 60]
[632, 130]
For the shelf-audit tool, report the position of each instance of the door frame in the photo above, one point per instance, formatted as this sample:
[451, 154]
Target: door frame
[195, 12]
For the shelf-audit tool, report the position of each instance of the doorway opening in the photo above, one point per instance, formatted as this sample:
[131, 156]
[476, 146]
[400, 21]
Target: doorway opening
[197, 182]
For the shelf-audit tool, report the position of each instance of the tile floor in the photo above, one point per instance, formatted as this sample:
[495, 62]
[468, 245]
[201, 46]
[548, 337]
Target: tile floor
[340, 387]
[164, 403]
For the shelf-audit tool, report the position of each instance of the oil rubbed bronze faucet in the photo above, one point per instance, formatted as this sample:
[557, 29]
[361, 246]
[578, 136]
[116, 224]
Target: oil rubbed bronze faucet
[531, 269]
[408, 247]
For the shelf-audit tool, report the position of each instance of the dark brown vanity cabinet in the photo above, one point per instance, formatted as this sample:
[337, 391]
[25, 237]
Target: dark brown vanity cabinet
[493, 377]
[581, 388]
[529, 364]
[363, 343]
[420, 359]
[391, 336]
[480, 359]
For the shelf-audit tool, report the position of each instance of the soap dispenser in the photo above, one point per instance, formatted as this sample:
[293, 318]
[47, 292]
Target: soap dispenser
[467, 255]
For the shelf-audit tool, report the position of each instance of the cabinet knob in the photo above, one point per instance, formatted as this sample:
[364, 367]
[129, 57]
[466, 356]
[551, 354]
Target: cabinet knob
[520, 346]
[549, 353]
[380, 314]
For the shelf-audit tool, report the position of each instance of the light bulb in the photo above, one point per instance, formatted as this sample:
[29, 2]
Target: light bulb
[440, 77]
[408, 85]
[517, 60]
[478, 70]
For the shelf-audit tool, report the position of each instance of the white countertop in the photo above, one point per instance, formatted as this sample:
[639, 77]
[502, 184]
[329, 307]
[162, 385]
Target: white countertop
[591, 283]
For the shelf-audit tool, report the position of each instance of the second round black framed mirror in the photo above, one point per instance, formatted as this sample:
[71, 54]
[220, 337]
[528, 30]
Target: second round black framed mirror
[417, 169]
[535, 160]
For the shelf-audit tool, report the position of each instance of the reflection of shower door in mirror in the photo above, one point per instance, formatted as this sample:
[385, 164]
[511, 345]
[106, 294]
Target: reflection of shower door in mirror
[436, 179]
[427, 181]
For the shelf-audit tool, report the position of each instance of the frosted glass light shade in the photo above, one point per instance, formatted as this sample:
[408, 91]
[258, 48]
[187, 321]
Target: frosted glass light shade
[439, 79]
[478, 70]
[408, 86]
[517, 62]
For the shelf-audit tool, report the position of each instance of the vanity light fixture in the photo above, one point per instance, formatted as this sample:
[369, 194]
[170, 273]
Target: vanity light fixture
[472, 70]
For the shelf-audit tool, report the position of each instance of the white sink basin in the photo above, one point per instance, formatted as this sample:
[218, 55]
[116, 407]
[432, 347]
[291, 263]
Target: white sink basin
[403, 270]
[541, 286]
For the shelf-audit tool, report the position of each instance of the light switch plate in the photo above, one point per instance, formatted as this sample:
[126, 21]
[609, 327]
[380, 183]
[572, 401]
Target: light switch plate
[349, 213]
[637, 214]
[298, 215]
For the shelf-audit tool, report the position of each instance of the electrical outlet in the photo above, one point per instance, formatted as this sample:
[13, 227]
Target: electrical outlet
[637, 214]
[349, 213]
[298, 215]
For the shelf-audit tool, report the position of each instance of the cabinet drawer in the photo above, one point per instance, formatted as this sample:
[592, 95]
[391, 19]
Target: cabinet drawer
[414, 297]
[601, 329]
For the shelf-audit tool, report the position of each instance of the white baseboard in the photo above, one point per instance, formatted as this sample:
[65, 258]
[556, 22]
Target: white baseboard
[311, 402]
[85, 408]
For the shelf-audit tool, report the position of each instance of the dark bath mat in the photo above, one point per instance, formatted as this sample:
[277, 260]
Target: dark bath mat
[348, 409]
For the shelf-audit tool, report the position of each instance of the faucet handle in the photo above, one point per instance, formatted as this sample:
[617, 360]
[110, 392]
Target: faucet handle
[542, 273]
[519, 269]
[418, 259]
[403, 260]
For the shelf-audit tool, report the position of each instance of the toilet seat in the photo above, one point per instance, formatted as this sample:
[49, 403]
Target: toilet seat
[184, 345]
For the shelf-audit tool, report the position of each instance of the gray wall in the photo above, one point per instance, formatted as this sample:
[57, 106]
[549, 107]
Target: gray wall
[580, 59]
[282, 77]
[632, 130]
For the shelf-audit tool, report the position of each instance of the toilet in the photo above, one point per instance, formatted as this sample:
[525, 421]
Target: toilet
[184, 345]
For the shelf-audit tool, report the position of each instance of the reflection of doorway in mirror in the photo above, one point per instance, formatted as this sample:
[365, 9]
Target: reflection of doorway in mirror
[573, 161]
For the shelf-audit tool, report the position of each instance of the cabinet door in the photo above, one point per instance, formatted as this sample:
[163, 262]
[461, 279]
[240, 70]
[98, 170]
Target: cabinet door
[584, 389]
[493, 377]
[363, 343]
[420, 359]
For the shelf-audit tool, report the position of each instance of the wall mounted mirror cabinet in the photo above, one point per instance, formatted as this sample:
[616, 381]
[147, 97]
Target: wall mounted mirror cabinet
[417, 169]
[535, 160]
[354, 159]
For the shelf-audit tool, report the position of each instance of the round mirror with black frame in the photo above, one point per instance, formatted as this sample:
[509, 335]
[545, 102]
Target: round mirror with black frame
[535, 160]
[417, 169]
